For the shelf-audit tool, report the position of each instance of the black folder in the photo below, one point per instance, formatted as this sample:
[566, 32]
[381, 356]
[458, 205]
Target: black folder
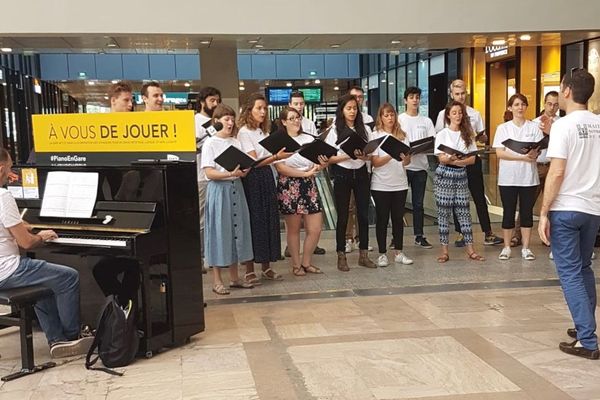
[371, 124]
[355, 142]
[526, 147]
[232, 157]
[316, 148]
[395, 148]
[424, 145]
[453, 152]
[279, 140]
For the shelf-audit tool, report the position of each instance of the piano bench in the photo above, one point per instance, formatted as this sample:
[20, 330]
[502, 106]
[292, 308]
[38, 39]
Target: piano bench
[22, 301]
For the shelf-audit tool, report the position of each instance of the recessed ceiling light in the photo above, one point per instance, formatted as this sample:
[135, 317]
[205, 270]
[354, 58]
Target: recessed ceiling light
[396, 41]
[91, 83]
[205, 42]
[383, 81]
[317, 81]
[111, 44]
[336, 88]
[259, 46]
[390, 83]
[187, 84]
[306, 83]
[334, 46]
[242, 88]
[525, 37]
[114, 81]
[253, 41]
[5, 49]
[499, 42]
[105, 97]
[289, 84]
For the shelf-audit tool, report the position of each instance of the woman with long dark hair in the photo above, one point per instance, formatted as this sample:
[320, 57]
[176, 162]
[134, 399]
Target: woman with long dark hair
[350, 176]
[518, 179]
[451, 183]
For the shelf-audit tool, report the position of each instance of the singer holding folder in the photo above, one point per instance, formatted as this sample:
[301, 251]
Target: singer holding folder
[518, 179]
[227, 238]
[260, 189]
[298, 195]
[350, 176]
[451, 185]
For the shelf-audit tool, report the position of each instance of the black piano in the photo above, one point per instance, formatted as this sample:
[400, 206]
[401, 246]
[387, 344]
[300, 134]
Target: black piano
[154, 210]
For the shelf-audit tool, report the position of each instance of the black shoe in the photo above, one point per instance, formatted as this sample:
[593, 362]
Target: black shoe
[572, 332]
[571, 348]
[286, 252]
[422, 241]
[319, 251]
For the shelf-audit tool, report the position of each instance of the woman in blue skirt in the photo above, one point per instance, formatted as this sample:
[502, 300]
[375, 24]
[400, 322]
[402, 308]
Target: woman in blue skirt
[227, 238]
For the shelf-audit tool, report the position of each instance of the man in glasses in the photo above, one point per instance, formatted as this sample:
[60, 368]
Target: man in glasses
[570, 214]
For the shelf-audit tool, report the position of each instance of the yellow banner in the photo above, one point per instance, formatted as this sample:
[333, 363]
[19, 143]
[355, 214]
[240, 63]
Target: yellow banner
[158, 131]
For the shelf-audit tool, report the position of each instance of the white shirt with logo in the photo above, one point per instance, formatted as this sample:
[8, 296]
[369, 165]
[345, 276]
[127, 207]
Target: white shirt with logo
[517, 173]
[9, 250]
[416, 128]
[576, 138]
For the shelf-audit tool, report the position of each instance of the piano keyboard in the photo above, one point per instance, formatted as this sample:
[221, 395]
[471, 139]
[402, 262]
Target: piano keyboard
[90, 242]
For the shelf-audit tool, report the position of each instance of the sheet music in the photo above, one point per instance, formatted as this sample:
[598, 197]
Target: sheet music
[69, 194]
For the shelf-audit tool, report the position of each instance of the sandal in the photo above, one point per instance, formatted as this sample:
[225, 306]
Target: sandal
[475, 257]
[515, 241]
[252, 278]
[240, 284]
[271, 275]
[220, 289]
[298, 271]
[311, 269]
[443, 258]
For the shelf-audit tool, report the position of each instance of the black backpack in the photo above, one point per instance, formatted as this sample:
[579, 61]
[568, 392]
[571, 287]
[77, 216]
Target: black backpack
[117, 338]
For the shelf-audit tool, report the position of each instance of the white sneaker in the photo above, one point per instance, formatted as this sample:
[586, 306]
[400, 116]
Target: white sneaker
[402, 259]
[370, 248]
[504, 254]
[550, 256]
[348, 248]
[527, 254]
[382, 261]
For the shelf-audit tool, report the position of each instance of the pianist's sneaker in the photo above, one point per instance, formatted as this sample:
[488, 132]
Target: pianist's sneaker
[71, 348]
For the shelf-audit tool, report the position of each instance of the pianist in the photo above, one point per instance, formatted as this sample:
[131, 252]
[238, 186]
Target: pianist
[59, 315]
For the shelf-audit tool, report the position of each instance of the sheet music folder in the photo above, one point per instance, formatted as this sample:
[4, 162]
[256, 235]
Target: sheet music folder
[69, 194]
[424, 145]
[355, 142]
[459, 154]
[232, 157]
[316, 148]
[279, 140]
[395, 148]
[526, 147]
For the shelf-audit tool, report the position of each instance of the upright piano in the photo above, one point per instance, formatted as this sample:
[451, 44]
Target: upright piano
[154, 219]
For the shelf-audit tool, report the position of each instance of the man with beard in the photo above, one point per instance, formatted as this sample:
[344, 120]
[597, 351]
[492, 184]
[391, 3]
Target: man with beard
[208, 99]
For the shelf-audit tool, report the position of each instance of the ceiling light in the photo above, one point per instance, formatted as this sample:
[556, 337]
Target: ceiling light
[259, 46]
[253, 41]
[91, 83]
[242, 88]
[205, 42]
[317, 81]
[187, 84]
[5, 49]
[267, 83]
[241, 83]
[390, 83]
[289, 84]
[105, 97]
[525, 37]
[336, 88]
[306, 83]
[334, 46]
[383, 81]
[114, 81]
[396, 41]
[499, 42]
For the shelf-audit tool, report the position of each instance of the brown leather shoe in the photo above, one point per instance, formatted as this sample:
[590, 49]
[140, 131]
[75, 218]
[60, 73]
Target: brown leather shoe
[364, 261]
[342, 264]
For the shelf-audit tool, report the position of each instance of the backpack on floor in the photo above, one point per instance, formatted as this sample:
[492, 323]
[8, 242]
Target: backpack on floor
[116, 339]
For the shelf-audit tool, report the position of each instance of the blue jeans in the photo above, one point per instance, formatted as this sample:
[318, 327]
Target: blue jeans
[58, 315]
[417, 181]
[572, 237]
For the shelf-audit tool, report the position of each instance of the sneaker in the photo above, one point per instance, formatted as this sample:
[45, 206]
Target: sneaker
[348, 248]
[492, 240]
[401, 258]
[391, 246]
[576, 349]
[370, 248]
[550, 256]
[504, 254]
[319, 251]
[460, 241]
[382, 261]
[422, 241]
[527, 254]
[71, 348]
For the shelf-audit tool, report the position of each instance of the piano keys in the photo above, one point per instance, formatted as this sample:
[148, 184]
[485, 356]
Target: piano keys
[147, 212]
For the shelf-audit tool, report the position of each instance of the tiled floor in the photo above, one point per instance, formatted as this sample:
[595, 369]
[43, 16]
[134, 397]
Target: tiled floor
[432, 338]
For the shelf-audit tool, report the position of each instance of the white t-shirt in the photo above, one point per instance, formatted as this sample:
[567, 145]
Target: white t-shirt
[213, 147]
[200, 133]
[517, 173]
[9, 250]
[452, 139]
[348, 164]
[309, 127]
[391, 176]
[366, 118]
[296, 160]
[249, 140]
[542, 158]
[416, 128]
[474, 118]
[576, 138]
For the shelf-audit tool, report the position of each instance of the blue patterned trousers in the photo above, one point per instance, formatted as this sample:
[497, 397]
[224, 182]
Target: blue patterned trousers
[452, 194]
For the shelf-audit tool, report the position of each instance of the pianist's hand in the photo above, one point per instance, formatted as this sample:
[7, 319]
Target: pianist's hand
[47, 235]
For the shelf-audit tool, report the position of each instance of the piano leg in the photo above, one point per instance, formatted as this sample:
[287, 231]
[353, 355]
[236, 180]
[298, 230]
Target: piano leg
[146, 315]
